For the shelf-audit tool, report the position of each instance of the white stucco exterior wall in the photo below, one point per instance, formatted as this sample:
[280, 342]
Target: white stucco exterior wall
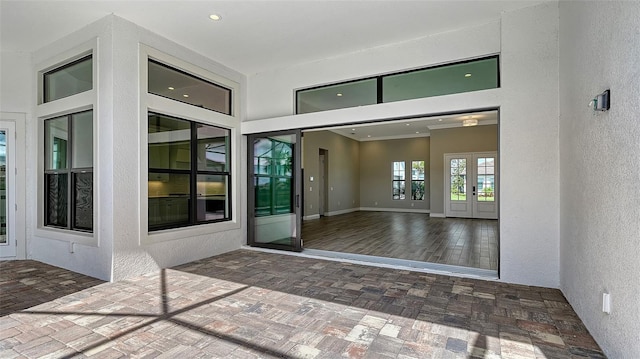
[529, 164]
[528, 41]
[15, 87]
[600, 211]
[120, 246]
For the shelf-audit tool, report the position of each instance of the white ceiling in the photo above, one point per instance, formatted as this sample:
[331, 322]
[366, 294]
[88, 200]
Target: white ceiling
[253, 36]
[418, 127]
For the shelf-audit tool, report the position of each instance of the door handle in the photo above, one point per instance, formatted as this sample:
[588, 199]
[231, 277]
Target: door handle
[474, 190]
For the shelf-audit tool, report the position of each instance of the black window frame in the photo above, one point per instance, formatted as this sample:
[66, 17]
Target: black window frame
[401, 181]
[380, 78]
[193, 173]
[71, 173]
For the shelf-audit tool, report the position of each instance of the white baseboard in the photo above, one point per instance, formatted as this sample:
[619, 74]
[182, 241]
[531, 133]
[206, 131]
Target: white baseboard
[342, 211]
[437, 215]
[313, 216]
[405, 210]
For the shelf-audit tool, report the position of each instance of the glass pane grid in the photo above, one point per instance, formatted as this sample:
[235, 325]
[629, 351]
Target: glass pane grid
[458, 185]
[486, 179]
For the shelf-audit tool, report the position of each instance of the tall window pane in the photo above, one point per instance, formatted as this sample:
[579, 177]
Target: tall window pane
[69, 171]
[398, 183]
[273, 169]
[417, 180]
[177, 85]
[68, 80]
[184, 191]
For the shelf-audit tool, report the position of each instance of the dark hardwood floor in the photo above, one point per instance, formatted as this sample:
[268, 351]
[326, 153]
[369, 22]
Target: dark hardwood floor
[412, 236]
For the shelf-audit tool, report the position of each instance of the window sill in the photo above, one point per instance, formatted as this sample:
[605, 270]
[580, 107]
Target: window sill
[66, 235]
[188, 232]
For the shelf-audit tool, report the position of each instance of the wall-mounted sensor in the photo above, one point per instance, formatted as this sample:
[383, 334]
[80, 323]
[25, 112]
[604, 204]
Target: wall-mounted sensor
[601, 102]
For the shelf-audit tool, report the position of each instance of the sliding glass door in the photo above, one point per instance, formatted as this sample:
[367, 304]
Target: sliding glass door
[274, 189]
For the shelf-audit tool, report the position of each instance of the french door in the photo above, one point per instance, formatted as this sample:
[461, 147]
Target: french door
[471, 185]
[7, 189]
[274, 190]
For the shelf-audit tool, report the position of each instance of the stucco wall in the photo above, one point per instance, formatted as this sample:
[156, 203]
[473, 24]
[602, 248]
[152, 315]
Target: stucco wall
[528, 42]
[600, 230]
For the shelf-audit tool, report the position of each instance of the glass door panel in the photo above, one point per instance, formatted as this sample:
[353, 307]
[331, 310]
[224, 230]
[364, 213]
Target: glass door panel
[274, 190]
[7, 189]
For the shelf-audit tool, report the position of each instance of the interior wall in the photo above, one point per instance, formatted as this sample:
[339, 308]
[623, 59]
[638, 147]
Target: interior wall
[600, 246]
[455, 140]
[376, 159]
[343, 180]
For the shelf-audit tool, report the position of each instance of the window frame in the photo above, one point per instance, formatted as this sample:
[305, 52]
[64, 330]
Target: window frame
[158, 104]
[418, 180]
[71, 173]
[43, 89]
[402, 182]
[193, 173]
[380, 83]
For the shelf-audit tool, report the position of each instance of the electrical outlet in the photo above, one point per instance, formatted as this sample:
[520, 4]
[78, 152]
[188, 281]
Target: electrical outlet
[606, 303]
[376, 203]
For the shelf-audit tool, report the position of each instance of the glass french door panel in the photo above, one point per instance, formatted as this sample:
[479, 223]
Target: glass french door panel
[458, 185]
[485, 179]
[274, 212]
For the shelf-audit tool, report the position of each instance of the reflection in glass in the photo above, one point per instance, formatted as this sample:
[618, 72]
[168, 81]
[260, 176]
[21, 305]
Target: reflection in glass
[169, 139]
[82, 134]
[56, 214]
[169, 195]
[212, 197]
[177, 85]
[417, 180]
[56, 137]
[212, 148]
[83, 193]
[68, 80]
[273, 167]
[350, 94]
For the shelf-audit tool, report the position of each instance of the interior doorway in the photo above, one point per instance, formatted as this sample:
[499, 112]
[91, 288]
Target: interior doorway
[323, 169]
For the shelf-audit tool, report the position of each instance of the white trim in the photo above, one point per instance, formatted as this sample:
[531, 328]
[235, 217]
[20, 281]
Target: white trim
[403, 210]
[154, 103]
[342, 211]
[311, 217]
[437, 215]
[87, 100]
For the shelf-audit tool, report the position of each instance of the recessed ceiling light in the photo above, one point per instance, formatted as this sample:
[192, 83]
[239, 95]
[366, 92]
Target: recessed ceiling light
[353, 129]
[439, 120]
[170, 88]
[339, 94]
[185, 95]
[467, 75]
[368, 135]
[215, 17]
[408, 124]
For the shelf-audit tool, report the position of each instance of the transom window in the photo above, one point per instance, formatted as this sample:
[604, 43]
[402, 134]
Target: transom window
[67, 80]
[458, 77]
[178, 85]
[189, 172]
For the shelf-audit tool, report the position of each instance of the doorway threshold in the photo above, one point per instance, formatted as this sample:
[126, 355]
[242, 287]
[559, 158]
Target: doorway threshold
[392, 263]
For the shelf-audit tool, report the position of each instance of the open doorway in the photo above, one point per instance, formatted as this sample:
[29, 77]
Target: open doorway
[372, 199]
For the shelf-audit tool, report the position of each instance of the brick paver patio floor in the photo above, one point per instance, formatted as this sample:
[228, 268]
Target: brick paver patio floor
[248, 304]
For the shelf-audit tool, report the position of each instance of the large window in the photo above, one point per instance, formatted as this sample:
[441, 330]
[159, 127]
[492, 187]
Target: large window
[189, 172]
[177, 85]
[417, 180]
[67, 80]
[398, 182]
[69, 171]
[464, 76]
